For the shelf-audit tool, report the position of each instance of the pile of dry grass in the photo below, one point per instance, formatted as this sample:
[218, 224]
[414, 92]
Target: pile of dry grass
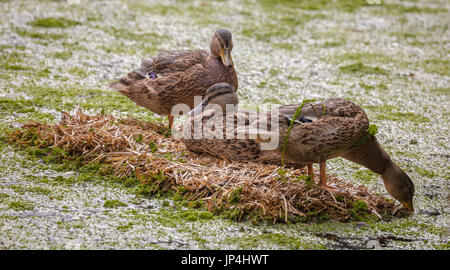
[134, 147]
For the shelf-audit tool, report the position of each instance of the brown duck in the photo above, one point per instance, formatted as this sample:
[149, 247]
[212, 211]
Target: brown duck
[320, 131]
[175, 77]
[219, 140]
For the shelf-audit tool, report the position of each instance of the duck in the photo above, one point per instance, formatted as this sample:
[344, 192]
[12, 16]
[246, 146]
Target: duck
[176, 77]
[310, 132]
[206, 130]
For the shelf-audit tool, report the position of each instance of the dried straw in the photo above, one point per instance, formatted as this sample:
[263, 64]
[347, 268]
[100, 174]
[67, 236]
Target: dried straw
[253, 189]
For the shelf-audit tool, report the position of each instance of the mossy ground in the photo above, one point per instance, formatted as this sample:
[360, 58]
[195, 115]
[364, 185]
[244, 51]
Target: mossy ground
[59, 56]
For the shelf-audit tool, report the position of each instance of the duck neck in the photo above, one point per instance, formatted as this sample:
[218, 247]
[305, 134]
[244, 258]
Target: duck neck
[370, 155]
[221, 73]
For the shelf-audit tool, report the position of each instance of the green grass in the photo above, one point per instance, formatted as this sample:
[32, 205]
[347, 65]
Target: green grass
[64, 55]
[40, 35]
[16, 105]
[269, 239]
[400, 9]
[439, 90]
[114, 204]
[316, 5]
[366, 175]
[392, 113]
[361, 69]
[20, 206]
[53, 22]
[437, 66]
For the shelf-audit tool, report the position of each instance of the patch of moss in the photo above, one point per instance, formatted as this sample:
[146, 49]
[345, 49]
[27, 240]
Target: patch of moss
[388, 112]
[360, 68]
[360, 210]
[16, 105]
[153, 147]
[40, 35]
[139, 138]
[307, 179]
[335, 43]
[272, 101]
[64, 55]
[438, 66]
[3, 196]
[440, 90]
[22, 189]
[344, 5]
[400, 9]
[271, 239]
[125, 227]
[77, 71]
[424, 172]
[366, 175]
[196, 215]
[56, 22]
[278, 27]
[235, 195]
[284, 46]
[161, 9]
[73, 224]
[402, 116]
[20, 206]
[114, 204]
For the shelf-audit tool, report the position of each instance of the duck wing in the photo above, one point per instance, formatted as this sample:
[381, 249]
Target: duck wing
[161, 94]
[336, 125]
[317, 109]
[167, 62]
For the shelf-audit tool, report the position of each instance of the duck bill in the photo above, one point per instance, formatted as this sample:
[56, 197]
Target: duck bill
[226, 58]
[198, 109]
[408, 206]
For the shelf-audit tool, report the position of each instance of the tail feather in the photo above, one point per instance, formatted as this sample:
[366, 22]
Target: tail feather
[127, 80]
[118, 86]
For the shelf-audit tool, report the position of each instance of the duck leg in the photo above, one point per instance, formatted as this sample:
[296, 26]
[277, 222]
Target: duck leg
[323, 177]
[311, 171]
[170, 121]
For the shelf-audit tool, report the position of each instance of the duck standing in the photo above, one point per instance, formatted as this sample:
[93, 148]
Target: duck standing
[309, 133]
[175, 77]
[339, 128]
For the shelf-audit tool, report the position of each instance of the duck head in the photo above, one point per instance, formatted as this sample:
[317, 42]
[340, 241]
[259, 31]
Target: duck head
[399, 185]
[221, 46]
[219, 94]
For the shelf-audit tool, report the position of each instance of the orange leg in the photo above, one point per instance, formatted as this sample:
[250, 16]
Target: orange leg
[323, 177]
[170, 121]
[311, 170]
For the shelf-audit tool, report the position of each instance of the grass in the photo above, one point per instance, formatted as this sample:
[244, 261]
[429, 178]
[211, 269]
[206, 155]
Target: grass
[53, 22]
[437, 66]
[40, 35]
[20, 206]
[392, 113]
[113, 204]
[359, 68]
[316, 5]
[269, 239]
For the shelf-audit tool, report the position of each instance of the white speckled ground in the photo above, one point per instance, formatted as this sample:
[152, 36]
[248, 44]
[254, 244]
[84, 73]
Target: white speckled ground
[282, 55]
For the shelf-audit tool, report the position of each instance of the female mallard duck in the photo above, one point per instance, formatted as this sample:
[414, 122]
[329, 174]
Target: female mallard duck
[320, 131]
[214, 132]
[175, 77]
